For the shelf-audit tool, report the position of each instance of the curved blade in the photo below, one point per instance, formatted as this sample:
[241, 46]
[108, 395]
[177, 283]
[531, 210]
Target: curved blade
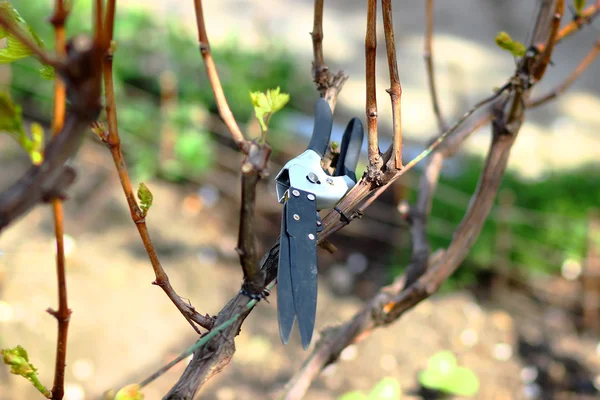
[301, 226]
[286, 312]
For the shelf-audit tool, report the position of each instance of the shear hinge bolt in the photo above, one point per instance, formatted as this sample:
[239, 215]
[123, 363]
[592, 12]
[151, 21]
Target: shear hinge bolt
[296, 217]
[295, 193]
[311, 236]
[312, 177]
[310, 197]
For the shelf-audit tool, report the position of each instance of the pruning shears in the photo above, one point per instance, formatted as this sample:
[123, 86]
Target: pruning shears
[304, 188]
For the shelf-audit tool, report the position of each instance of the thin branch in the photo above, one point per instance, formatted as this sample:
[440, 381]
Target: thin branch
[428, 55]
[63, 314]
[544, 59]
[328, 85]
[583, 65]
[113, 141]
[375, 160]
[395, 90]
[215, 82]
[320, 71]
[586, 17]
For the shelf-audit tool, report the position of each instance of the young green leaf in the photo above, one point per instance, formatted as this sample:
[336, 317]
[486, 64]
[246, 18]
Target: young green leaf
[16, 50]
[130, 392]
[356, 395]
[444, 374]
[266, 104]
[11, 120]
[386, 389]
[18, 360]
[47, 72]
[36, 151]
[505, 42]
[579, 4]
[145, 197]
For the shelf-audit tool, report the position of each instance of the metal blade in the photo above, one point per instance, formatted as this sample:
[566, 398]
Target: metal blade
[286, 312]
[301, 226]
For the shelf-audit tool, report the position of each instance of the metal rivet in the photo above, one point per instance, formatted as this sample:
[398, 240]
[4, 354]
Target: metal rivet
[319, 223]
[296, 217]
[295, 193]
[310, 196]
[311, 236]
[330, 181]
[312, 177]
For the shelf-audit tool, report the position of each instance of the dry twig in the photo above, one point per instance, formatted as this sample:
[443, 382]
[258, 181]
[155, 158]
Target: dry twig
[328, 85]
[215, 82]
[428, 55]
[583, 65]
[375, 160]
[395, 90]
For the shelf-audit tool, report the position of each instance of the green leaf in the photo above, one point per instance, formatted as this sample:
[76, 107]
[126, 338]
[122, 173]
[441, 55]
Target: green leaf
[11, 120]
[386, 389]
[18, 360]
[267, 104]
[15, 49]
[443, 362]
[130, 392]
[145, 196]
[462, 382]
[47, 72]
[505, 42]
[579, 4]
[356, 395]
[36, 152]
[443, 374]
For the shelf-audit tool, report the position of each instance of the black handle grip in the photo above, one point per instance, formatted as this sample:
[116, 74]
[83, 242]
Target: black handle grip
[350, 150]
[322, 129]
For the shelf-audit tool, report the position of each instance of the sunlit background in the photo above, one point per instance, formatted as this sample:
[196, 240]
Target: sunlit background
[522, 313]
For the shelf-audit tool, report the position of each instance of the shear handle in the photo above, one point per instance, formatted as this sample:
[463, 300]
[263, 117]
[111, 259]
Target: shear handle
[350, 149]
[322, 129]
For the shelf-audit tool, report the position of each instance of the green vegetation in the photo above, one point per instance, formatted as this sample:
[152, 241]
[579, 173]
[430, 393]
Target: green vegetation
[147, 49]
[444, 374]
[18, 361]
[385, 389]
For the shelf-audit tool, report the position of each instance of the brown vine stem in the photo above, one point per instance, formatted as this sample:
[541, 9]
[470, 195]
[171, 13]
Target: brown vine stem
[395, 90]
[63, 314]
[328, 85]
[555, 18]
[583, 65]
[113, 141]
[428, 55]
[320, 71]
[375, 161]
[253, 168]
[215, 82]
